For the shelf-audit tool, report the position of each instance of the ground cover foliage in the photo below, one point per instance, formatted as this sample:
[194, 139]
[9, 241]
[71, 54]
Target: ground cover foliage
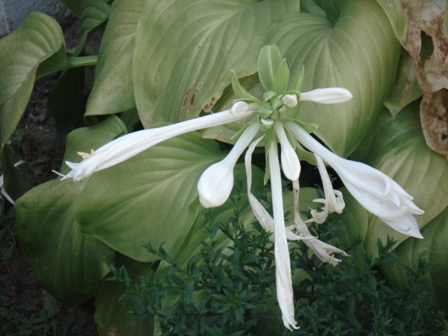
[231, 291]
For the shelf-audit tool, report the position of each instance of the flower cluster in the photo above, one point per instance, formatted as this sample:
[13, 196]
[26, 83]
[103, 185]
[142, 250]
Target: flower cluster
[273, 121]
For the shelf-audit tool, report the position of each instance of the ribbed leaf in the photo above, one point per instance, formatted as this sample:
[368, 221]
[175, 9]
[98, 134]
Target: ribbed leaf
[147, 198]
[354, 48]
[186, 49]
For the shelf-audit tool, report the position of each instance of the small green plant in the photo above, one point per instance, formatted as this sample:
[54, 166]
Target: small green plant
[231, 291]
[43, 322]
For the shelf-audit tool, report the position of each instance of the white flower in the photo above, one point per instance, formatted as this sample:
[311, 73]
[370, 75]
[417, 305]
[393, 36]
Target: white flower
[132, 144]
[374, 190]
[216, 182]
[327, 96]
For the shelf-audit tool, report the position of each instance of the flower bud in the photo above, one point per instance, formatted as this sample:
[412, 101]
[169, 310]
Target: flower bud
[289, 100]
[327, 96]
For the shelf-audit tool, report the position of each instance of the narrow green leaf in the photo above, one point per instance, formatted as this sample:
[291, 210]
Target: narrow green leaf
[281, 80]
[269, 62]
[113, 89]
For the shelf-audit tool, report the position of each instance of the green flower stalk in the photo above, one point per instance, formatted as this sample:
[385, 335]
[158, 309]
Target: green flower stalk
[273, 120]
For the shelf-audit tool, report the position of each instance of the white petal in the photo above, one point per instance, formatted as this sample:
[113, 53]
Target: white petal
[290, 161]
[334, 201]
[327, 95]
[134, 143]
[216, 183]
[282, 260]
[374, 190]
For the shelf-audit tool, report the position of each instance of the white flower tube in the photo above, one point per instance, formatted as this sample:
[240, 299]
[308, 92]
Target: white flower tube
[290, 160]
[334, 95]
[374, 190]
[282, 260]
[216, 183]
[129, 145]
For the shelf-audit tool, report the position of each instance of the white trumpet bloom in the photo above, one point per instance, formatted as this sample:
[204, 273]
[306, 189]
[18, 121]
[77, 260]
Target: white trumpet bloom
[129, 145]
[216, 183]
[327, 96]
[374, 190]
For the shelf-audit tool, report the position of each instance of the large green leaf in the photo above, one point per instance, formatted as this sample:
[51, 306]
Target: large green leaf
[148, 197]
[398, 148]
[68, 263]
[431, 249]
[38, 38]
[111, 316]
[113, 89]
[355, 48]
[186, 48]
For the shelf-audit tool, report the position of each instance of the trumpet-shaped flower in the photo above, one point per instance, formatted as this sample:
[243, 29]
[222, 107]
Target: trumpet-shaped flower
[216, 182]
[374, 190]
[129, 145]
[274, 117]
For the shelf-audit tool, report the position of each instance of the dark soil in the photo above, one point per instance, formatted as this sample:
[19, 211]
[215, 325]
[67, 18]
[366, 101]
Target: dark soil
[42, 147]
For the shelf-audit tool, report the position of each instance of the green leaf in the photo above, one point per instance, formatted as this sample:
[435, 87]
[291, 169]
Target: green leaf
[354, 48]
[174, 81]
[68, 263]
[397, 17]
[281, 78]
[38, 38]
[430, 249]
[405, 88]
[111, 316]
[269, 62]
[148, 197]
[113, 89]
[398, 148]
